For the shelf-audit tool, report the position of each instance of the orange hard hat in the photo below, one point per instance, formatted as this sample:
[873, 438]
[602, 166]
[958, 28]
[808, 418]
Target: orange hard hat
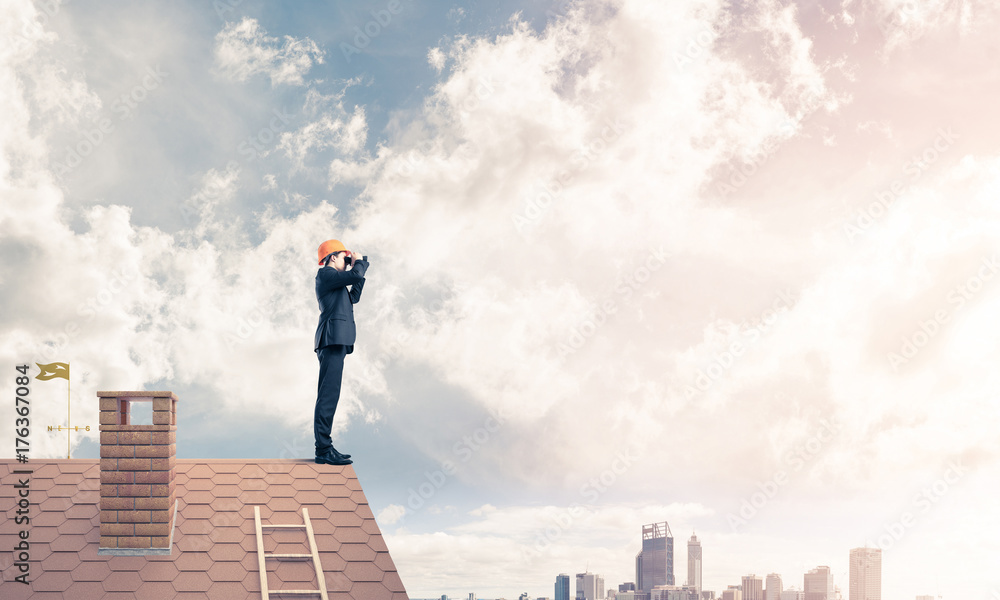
[329, 247]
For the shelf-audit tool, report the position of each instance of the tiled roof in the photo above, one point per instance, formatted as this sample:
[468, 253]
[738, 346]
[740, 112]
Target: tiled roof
[215, 547]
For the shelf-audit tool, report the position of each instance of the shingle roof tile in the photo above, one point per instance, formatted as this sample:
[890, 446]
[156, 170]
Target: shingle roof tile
[52, 581]
[192, 581]
[61, 561]
[122, 581]
[370, 590]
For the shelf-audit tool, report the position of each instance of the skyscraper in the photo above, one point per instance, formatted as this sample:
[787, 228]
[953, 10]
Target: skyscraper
[694, 562]
[654, 564]
[818, 584]
[753, 588]
[866, 574]
[562, 587]
[589, 586]
[773, 589]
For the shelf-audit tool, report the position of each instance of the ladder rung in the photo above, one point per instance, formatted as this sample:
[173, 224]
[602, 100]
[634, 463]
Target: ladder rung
[293, 591]
[284, 526]
[288, 556]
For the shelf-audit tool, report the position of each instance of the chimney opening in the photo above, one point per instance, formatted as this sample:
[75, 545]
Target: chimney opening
[140, 412]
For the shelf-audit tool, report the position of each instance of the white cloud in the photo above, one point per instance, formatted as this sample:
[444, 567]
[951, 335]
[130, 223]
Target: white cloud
[436, 58]
[903, 21]
[244, 49]
[391, 514]
[530, 544]
[346, 134]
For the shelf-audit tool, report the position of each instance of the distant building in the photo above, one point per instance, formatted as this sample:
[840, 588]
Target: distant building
[707, 595]
[562, 587]
[673, 592]
[925, 597]
[472, 596]
[628, 586]
[772, 587]
[866, 574]
[654, 564]
[818, 584]
[753, 588]
[588, 586]
[733, 592]
[694, 562]
[793, 594]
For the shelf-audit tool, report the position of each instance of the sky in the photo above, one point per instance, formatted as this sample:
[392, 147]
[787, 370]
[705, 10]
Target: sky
[727, 265]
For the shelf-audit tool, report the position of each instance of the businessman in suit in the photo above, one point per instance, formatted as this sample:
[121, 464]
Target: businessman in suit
[335, 337]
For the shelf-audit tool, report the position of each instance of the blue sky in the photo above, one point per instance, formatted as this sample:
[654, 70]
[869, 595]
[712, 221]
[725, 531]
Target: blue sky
[631, 261]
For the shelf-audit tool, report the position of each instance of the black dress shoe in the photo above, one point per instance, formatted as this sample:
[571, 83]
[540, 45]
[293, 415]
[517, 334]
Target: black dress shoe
[335, 452]
[329, 458]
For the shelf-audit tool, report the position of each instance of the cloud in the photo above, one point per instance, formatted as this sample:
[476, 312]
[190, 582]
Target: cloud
[244, 49]
[522, 543]
[391, 514]
[345, 134]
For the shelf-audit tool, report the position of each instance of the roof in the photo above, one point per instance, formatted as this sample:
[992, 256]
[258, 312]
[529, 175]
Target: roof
[214, 546]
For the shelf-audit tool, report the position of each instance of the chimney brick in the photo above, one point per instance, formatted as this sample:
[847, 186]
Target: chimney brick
[138, 465]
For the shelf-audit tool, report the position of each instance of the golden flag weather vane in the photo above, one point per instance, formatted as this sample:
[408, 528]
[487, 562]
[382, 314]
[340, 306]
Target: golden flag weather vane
[53, 370]
[61, 370]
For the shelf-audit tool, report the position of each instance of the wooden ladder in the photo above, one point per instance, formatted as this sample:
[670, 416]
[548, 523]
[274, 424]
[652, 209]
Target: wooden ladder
[313, 554]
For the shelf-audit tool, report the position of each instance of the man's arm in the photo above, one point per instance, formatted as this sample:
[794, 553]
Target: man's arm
[331, 279]
[357, 287]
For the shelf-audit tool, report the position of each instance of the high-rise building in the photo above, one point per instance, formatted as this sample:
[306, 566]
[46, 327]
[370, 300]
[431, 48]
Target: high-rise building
[772, 587]
[753, 588]
[792, 594]
[628, 586]
[866, 574]
[694, 562]
[562, 587]
[654, 564]
[472, 596]
[818, 584]
[588, 586]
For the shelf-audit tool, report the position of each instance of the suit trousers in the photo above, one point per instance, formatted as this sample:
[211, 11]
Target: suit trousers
[331, 374]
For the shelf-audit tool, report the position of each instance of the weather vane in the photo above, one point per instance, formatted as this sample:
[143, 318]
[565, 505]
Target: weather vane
[51, 371]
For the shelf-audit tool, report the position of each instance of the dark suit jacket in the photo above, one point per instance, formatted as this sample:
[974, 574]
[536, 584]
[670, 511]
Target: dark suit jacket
[336, 304]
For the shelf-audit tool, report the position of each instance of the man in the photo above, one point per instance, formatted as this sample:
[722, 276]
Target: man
[335, 337]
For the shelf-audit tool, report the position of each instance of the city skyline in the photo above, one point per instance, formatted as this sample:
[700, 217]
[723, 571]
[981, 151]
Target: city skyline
[817, 583]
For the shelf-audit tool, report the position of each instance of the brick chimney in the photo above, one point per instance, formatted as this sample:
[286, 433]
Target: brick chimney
[138, 462]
